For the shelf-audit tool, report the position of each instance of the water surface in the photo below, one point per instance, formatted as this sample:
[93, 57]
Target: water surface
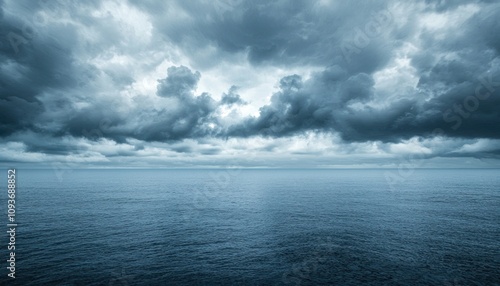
[257, 227]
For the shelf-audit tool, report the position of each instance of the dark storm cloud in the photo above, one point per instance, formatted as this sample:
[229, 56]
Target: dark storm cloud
[231, 97]
[17, 114]
[464, 94]
[283, 33]
[319, 103]
[52, 85]
[304, 32]
[187, 116]
[324, 103]
[470, 108]
[42, 78]
[191, 116]
[180, 82]
[36, 60]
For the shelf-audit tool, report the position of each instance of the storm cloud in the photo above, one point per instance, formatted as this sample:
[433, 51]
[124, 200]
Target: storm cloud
[192, 76]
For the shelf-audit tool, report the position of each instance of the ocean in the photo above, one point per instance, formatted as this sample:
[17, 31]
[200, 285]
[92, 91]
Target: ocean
[256, 227]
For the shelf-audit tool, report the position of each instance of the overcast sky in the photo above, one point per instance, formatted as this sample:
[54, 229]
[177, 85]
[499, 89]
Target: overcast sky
[250, 83]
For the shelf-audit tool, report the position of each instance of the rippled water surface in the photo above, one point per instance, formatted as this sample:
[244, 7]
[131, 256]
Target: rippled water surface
[256, 227]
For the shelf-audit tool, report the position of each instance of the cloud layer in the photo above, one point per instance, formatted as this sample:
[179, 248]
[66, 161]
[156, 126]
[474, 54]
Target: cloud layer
[109, 79]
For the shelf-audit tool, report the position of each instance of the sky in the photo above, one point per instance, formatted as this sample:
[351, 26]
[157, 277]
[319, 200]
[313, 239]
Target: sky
[315, 84]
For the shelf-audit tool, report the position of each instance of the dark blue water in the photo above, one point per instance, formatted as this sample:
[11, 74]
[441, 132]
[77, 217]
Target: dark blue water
[256, 227]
